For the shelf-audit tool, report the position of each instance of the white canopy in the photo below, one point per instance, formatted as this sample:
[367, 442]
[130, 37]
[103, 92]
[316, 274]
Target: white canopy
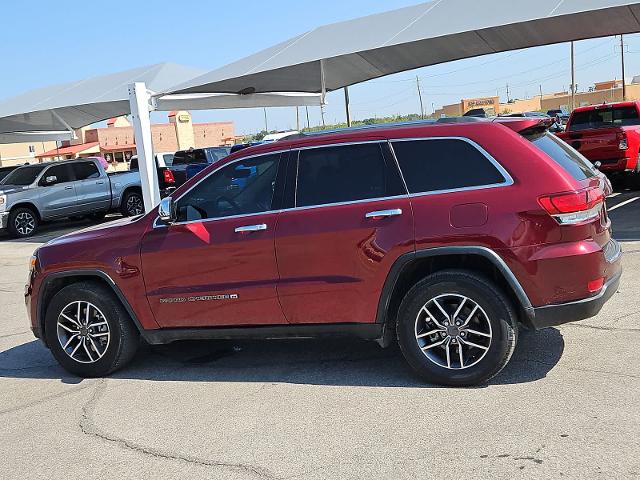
[346, 53]
[77, 104]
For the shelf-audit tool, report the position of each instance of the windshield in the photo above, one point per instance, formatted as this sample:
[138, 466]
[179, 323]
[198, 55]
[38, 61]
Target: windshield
[23, 175]
[604, 118]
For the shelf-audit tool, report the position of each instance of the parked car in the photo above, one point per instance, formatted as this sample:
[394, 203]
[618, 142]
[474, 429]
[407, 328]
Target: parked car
[609, 136]
[4, 171]
[195, 160]
[49, 191]
[166, 181]
[561, 115]
[445, 237]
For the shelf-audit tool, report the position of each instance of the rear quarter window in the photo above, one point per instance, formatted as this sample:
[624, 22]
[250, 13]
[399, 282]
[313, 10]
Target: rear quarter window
[566, 157]
[433, 165]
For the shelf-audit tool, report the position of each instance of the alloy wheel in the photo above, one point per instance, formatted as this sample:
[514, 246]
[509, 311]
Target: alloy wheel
[453, 331]
[83, 332]
[135, 206]
[25, 223]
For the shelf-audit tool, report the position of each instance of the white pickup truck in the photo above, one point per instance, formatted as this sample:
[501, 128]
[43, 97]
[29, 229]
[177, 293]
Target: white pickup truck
[54, 190]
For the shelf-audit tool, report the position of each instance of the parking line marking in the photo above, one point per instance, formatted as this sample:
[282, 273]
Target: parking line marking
[622, 204]
[614, 195]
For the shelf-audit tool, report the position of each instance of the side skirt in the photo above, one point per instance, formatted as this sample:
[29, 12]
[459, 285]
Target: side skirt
[367, 331]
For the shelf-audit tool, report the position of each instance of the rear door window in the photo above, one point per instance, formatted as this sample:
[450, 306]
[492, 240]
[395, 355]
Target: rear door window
[85, 171]
[433, 165]
[345, 173]
[569, 159]
[189, 157]
[604, 118]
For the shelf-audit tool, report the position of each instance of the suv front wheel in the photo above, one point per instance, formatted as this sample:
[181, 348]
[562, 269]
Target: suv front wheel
[88, 330]
[456, 328]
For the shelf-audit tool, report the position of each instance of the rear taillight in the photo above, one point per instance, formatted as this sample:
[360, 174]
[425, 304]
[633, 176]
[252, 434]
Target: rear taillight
[168, 176]
[571, 208]
[623, 143]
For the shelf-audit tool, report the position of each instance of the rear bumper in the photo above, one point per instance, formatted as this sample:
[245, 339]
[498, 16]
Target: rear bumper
[4, 220]
[553, 315]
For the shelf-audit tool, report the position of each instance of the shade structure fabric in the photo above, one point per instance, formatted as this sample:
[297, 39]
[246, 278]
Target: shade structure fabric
[223, 101]
[77, 104]
[27, 137]
[342, 54]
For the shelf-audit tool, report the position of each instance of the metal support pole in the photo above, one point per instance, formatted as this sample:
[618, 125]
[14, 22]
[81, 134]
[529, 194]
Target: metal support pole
[298, 119]
[139, 103]
[308, 120]
[323, 84]
[624, 85]
[266, 122]
[346, 105]
[573, 78]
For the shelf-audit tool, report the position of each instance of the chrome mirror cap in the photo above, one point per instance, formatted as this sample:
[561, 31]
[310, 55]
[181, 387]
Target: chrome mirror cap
[166, 210]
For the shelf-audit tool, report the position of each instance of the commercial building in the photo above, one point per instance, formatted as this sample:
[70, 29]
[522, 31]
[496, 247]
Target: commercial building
[116, 142]
[20, 153]
[601, 92]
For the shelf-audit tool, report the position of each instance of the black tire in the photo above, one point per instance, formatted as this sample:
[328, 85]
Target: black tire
[23, 222]
[132, 204]
[123, 338]
[494, 308]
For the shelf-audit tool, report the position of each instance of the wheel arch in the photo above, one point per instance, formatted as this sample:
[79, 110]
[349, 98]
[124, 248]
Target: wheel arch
[30, 206]
[55, 282]
[414, 266]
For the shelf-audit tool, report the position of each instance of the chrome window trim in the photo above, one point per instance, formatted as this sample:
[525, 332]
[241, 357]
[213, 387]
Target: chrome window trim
[296, 150]
[508, 179]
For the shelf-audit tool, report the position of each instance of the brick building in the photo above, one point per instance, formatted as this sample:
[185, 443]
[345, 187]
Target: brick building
[116, 142]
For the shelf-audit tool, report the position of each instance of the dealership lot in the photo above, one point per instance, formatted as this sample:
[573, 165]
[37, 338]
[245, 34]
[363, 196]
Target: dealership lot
[565, 406]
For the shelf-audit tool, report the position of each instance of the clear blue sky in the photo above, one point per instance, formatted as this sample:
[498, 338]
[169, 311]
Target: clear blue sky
[44, 43]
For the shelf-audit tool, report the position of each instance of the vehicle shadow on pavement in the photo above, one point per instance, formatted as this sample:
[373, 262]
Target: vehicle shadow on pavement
[338, 362]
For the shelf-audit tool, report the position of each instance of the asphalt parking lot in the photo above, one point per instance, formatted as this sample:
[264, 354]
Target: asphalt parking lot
[565, 407]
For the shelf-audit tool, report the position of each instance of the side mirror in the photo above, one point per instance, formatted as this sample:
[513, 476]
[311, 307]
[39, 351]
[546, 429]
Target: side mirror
[167, 210]
[597, 165]
[50, 179]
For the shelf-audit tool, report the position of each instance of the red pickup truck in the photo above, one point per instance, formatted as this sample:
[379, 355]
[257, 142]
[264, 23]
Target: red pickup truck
[608, 134]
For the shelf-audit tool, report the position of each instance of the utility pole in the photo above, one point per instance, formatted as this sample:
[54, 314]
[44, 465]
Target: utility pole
[541, 92]
[322, 114]
[266, 123]
[508, 97]
[624, 85]
[308, 121]
[297, 118]
[420, 97]
[573, 77]
[346, 105]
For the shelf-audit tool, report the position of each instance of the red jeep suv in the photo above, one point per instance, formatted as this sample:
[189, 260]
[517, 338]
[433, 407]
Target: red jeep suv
[445, 237]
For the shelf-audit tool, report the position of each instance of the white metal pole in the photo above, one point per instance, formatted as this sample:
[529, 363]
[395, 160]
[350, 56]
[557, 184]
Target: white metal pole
[139, 102]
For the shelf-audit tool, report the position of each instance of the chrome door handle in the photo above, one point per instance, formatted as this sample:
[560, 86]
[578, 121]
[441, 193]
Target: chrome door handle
[384, 213]
[251, 228]
[70, 187]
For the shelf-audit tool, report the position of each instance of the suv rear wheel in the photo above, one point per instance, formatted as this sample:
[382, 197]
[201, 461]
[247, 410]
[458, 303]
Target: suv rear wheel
[88, 330]
[456, 328]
